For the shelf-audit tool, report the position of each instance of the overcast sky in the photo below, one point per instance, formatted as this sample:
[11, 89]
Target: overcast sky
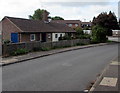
[83, 10]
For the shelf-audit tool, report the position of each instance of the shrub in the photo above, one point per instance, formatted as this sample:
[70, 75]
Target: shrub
[36, 49]
[20, 52]
[66, 37]
[60, 38]
[79, 31]
[98, 34]
[6, 41]
[45, 49]
[80, 44]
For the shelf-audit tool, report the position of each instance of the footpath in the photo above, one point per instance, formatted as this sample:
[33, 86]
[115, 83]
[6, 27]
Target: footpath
[109, 80]
[33, 55]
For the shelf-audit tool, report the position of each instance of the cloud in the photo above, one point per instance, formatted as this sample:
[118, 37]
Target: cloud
[80, 12]
[18, 7]
[80, 0]
[68, 9]
[77, 4]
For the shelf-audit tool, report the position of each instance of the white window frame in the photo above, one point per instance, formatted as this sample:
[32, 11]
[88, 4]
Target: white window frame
[49, 36]
[76, 25]
[56, 35]
[70, 25]
[31, 37]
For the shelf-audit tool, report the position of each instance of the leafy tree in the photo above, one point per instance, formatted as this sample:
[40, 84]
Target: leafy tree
[57, 18]
[98, 34]
[108, 21]
[38, 14]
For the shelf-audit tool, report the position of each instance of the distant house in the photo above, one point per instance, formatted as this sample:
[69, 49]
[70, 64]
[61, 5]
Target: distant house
[116, 33]
[26, 30]
[70, 23]
[85, 25]
[87, 31]
[75, 23]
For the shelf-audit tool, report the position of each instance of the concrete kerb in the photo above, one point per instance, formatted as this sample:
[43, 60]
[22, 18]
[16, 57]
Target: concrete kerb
[30, 58]
[99, 79]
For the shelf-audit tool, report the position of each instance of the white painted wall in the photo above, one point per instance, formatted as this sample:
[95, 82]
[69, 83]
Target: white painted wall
[87, 31]
[0, 38]
[58, 35]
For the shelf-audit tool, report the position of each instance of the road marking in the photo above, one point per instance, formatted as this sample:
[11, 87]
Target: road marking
[107, 81]
[115, 63]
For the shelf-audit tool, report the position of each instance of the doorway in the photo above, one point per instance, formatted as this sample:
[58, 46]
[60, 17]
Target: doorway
[43, 37]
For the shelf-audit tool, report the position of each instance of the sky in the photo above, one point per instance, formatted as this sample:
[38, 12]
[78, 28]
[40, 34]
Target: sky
[83, 10]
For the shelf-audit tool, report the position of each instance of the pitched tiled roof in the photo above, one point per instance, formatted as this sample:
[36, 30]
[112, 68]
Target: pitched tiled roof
[86, 23]
[28, 25]
[67, 21]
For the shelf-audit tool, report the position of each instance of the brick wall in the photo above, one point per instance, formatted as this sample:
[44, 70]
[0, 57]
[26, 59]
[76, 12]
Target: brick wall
[7, 49]
[7, 29]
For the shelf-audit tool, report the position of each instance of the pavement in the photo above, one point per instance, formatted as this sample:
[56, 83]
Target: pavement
[109, 80]
[33, 55]
[66, 71]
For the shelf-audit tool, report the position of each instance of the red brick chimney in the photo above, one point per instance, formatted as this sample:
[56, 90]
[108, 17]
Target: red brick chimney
[45, 16]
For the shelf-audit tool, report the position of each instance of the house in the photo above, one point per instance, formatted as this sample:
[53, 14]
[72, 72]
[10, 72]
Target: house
[0, 39]
[70, 23]
[26, 30]
[87, 31]
[116, 33]
[85, 25]
[74, 23]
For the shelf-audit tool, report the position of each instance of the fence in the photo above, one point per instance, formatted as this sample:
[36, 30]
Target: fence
[7, 49]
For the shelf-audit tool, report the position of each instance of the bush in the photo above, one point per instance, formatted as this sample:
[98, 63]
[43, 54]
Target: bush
[66, 37]
[20, 52]
[6, 41]
[36, 49]
[79, 31]
[80, 44]
[98, 34]
[45, 49]
[60, 38]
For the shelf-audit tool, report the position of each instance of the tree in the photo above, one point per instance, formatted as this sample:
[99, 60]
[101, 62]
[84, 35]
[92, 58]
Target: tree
[98, 34]
[108, 21]
[38, 14]
[57, 18]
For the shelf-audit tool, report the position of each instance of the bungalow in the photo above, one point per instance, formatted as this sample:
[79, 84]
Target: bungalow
[26, 30]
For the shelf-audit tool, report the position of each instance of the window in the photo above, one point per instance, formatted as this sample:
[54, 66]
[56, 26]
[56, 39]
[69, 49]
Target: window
[32, 37]
[56, 35]
[76, 25]
[70, 25]
[49, 36]
[60, 35]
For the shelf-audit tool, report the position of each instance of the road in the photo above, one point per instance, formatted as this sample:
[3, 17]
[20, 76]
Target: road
[68, 71]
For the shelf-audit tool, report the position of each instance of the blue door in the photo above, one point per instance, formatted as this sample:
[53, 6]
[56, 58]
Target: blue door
[14, 37]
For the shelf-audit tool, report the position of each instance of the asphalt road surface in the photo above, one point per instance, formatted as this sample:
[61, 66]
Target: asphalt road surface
[68, 71]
